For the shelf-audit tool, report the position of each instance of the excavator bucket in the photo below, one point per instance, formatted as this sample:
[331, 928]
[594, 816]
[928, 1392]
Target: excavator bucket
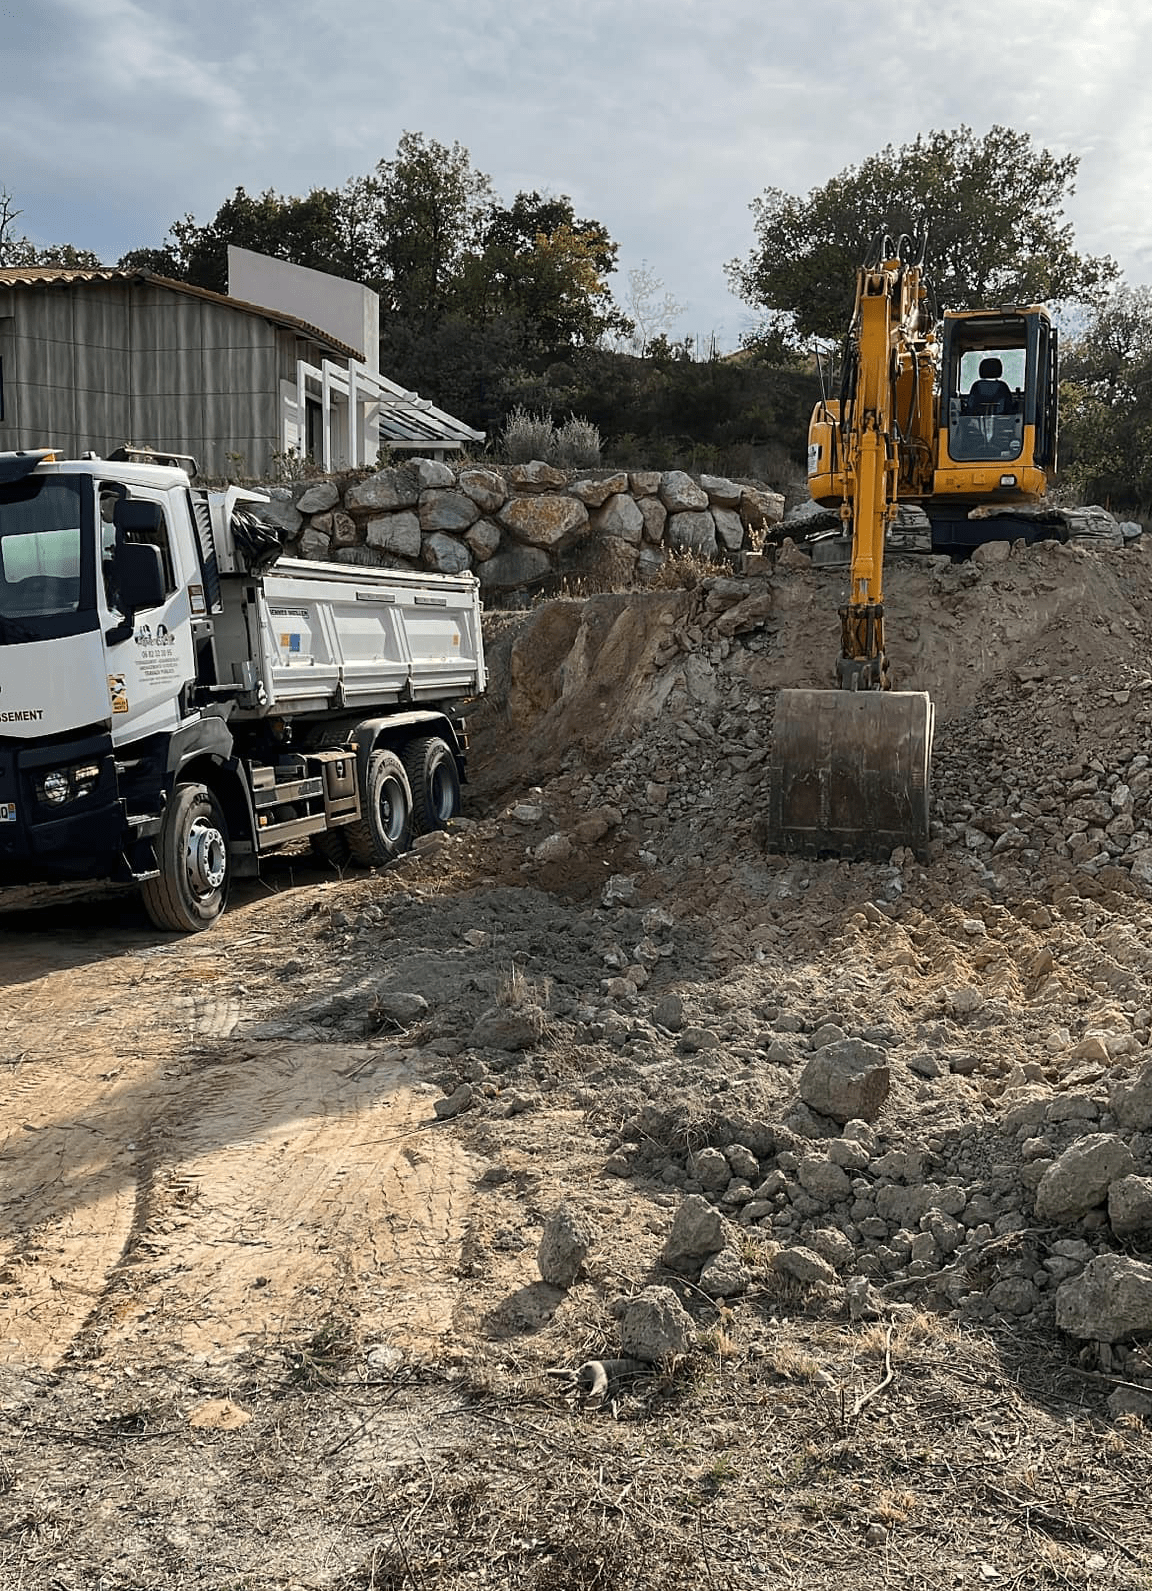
[849, 772]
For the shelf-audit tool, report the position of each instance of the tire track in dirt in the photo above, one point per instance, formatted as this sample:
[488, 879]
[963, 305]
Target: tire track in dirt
[76, 1092]
[300, 1183]
[166, 1190]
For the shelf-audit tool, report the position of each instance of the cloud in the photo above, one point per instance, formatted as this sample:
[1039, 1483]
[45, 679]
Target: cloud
[663, 118]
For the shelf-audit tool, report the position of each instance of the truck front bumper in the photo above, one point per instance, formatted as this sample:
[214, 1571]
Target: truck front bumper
[84, 833]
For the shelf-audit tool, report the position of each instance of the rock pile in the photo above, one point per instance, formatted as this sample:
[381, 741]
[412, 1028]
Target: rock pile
[977, 1133]
[516, 525]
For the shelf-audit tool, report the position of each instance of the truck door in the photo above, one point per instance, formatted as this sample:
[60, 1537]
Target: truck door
[147, 667]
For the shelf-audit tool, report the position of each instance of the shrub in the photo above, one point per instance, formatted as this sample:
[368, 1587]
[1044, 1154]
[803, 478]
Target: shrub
[578, 443]
[529, 436]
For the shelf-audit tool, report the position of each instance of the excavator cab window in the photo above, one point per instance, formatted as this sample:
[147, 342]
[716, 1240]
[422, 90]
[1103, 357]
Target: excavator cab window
[987, 376]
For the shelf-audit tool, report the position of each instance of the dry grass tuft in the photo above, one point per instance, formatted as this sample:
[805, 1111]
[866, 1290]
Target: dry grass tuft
[515, 992]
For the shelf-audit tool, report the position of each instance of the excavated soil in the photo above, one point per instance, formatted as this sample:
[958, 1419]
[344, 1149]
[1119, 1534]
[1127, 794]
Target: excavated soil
[269, 1319]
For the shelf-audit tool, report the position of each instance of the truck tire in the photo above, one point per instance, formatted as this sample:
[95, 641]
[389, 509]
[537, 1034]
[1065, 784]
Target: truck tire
[192, 855]
[434, 781]
[385, 827]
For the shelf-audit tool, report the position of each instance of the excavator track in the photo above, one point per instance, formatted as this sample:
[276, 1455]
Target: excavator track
[849, 772]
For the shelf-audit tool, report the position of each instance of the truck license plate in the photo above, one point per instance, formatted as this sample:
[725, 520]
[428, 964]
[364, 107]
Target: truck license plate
[7, 811]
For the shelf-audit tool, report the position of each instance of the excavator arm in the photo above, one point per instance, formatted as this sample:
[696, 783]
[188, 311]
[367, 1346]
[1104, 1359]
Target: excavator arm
[849, 768]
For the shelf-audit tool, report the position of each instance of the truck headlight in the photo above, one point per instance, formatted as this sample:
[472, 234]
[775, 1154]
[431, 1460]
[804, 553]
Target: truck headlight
[68, 784]
[54, 787]
[84, 779]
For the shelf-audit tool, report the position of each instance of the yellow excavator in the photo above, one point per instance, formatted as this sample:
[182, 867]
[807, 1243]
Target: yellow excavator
[925, 415]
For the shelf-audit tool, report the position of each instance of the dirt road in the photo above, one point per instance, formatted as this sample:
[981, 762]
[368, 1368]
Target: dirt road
[168, 1187]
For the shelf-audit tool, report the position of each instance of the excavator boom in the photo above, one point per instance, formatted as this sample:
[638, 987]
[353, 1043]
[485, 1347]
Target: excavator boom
[849, 768]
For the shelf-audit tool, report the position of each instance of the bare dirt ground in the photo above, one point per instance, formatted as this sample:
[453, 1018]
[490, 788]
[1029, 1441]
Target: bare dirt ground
[267, 1321]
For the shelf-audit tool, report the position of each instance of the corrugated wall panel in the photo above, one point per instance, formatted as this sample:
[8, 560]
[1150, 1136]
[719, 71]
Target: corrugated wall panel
[95, 365]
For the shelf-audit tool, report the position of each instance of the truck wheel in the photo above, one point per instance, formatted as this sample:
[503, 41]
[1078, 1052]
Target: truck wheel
[385, 827]
[435, 783]
[192, 855]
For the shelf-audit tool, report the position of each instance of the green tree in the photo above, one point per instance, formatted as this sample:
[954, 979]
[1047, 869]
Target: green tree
[429, 211]
[542, 264]
[993, 208]
[311, 231]
[1106, 402]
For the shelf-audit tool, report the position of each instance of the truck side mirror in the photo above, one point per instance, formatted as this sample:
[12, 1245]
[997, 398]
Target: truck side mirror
[138, 570]
[138, 576]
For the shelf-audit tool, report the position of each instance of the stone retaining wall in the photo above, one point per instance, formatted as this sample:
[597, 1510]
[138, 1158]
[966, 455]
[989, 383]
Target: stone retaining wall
[519, 524]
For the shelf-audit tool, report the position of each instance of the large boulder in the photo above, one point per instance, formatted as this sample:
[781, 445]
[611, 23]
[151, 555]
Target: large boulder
[399, 533]
[620, 517]
[848, 1081]
[568, 1235]
[656, 1326]
[365, 558]
[680, 493]
[279, 510]
[1130, 1208]
[721, 491]
[386, 491]
[486, 489]
[596, 493]
[551, 522]
[729, 528]
[697, 1232]
[1131, 1103]
[1079, 1180]
[483, 538]
[515, 566]
[655, 517]
[443, 508]
[318, 497]
[537, 477]
[445, 554]
[344, 532]
[431, 473]
[692, 532]
[315, 545]
[1109, 1301]
[761, 509]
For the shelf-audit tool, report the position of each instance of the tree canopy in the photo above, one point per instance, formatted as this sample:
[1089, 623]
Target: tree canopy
[427, 232]
[1106, 402]
[993, 208]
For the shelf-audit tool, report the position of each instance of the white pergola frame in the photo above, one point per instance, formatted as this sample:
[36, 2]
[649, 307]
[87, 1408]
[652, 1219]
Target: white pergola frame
[352, 398]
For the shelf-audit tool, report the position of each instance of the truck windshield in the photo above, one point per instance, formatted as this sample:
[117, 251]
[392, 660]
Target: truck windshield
[47, 582]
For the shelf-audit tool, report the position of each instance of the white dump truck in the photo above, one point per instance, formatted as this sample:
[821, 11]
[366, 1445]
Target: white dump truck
[176, 699]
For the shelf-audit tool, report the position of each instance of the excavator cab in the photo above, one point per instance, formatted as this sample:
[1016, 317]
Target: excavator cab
[997, 437]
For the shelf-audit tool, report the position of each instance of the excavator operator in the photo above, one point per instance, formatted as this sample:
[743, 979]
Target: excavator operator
[991, 395]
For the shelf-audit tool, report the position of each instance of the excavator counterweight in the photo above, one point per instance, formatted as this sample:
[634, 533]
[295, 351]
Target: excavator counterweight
[849, 772]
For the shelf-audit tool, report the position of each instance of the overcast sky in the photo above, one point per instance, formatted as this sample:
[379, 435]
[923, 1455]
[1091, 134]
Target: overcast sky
[661, 118]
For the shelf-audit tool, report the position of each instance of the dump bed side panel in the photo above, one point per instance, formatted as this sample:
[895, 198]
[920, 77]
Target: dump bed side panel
[320, 638]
